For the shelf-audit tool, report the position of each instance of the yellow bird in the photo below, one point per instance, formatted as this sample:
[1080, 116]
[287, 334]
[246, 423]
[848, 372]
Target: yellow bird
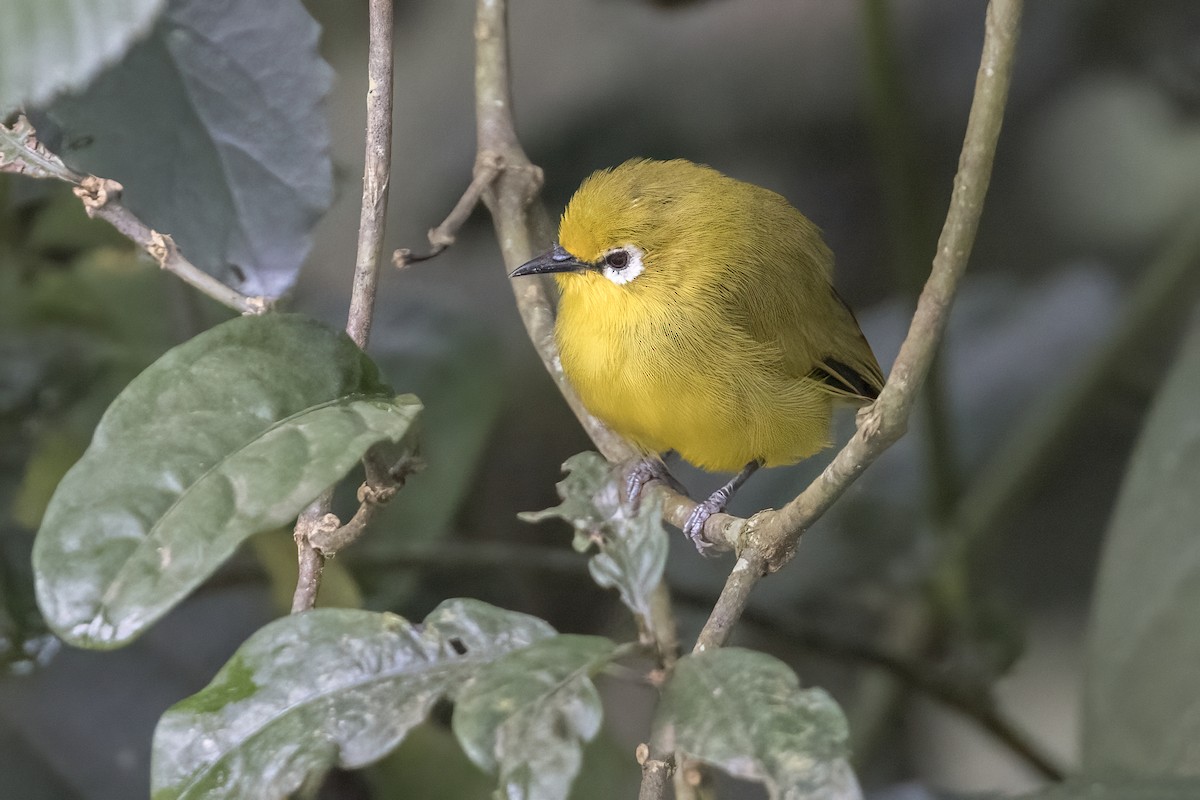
[698, 315]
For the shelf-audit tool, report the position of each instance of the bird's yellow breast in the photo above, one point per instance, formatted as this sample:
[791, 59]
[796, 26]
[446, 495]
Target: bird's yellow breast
[715, 329]
[676, 376]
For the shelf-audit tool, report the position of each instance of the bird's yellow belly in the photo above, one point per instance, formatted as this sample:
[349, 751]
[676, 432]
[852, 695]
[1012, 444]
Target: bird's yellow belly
[717, 413]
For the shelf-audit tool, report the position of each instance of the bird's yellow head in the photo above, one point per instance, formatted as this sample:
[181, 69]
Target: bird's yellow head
[640, 226]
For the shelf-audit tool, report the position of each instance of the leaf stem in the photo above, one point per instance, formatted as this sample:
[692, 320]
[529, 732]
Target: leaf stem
[372, 221]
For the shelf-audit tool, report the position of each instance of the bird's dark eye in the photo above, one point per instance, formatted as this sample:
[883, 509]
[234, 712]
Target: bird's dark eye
[617, 259]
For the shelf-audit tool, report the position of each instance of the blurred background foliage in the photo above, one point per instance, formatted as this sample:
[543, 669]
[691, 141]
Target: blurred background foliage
[958, 573]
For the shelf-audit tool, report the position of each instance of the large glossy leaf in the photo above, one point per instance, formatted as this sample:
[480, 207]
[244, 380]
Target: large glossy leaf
[215, 128]
[528, 715]
[226, 435]
[745, 712]
[49, 45]
[1142, 695]
[631, 545]
[332, 686]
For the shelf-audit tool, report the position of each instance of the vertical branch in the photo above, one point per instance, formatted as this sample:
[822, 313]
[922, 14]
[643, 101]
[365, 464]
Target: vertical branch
[372, 220]
[377, 170]
[523, 227]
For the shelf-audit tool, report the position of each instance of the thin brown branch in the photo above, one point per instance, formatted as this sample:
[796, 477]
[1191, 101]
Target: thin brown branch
[21, 153]
[378, 490]
[370, 500]
[656, 772]
[523, 228]
[769, 538]
[522, 225]
[100, 203]
[372, 221]
[311, 563]
[444, 235]
[376, 172]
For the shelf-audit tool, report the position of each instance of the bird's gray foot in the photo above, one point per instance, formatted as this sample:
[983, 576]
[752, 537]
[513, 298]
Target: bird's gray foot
[643, 472]
[716, 502]
[694, 526]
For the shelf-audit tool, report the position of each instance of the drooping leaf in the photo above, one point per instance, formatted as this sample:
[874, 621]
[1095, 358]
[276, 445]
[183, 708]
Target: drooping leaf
[527, 715]
[231, 433]
[1142, 686]
[230, 153]
[331, 686]
[50, 45]
[744, 712]
[631, 545]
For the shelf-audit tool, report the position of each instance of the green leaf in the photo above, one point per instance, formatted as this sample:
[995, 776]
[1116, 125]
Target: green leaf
[1083, 788]
[230, 153]
[229, 434]
[528, 714]
[1142, 686]
[331, 686]
[745, 712]
[631, 546]
[49, 45]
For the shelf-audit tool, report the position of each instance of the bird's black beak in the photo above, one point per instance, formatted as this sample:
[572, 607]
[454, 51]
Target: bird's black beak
[557, 260]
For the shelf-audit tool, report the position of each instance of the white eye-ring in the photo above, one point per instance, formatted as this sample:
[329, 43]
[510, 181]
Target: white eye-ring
[623, 264]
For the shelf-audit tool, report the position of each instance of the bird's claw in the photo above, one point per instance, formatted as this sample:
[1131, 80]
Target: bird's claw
[693, 527]
[643, 472]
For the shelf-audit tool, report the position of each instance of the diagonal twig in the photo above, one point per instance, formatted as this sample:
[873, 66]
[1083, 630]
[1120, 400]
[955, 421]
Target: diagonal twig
[21, 153]
[768, 540]
[487, 167]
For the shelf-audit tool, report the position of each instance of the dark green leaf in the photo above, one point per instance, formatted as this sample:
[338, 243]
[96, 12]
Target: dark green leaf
[230, 153]
[632, 546]
[229, 434]
[745, 712]
[1082, 788]
[528, 714]
[1142, 696]
[49, 45]
[331, 686]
